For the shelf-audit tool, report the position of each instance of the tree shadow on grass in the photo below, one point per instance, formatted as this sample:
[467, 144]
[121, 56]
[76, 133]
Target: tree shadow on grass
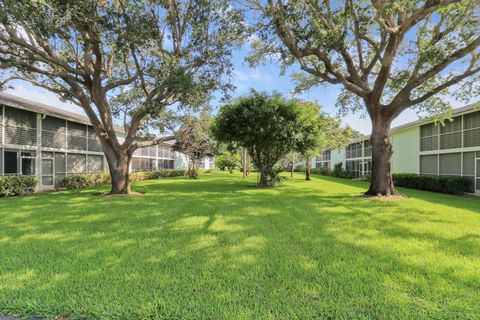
[216, 248]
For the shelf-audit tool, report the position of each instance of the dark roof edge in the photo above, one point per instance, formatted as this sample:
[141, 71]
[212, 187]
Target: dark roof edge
[37, 107]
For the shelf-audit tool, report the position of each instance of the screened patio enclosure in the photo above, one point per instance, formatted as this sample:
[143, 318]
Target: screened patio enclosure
[50, 143]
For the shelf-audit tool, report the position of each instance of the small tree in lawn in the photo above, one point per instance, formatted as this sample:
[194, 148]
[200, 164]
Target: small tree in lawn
[388, 55]
[193, 139]
[120, 59]
[320, 132]
[290, 160]
[268, 126]
[230, 156]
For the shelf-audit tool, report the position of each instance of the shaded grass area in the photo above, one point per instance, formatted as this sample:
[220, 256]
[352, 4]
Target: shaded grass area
[218, 248]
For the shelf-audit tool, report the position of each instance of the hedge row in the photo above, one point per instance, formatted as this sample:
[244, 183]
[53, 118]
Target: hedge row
[152, 175]
[17, 185]
[443, 184]
[338, 172]
[75, 181]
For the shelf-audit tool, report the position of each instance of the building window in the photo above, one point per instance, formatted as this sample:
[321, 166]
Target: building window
[429, 164]
[354, 150]
[367, 167]
[367, 149]
[93, 141]
[60, 167]
[54, 133]
[28, 163]
[94, 163]
[47, 168]
[20, 127]
[76, 136]
[76, 163]
[471, 130]
[11, 166]
[354, 166]
[450, 164]
[428, 137]
[451, 134]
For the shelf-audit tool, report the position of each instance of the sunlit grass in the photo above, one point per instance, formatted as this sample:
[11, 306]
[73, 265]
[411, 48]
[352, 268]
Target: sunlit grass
[219, 248]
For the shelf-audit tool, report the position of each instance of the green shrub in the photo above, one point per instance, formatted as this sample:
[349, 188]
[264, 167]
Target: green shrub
[274, 178]
[152, 175]
[323, 171]
[337, 172]
[75, 181]
[299, 168]
[443, 184]
[17, 185]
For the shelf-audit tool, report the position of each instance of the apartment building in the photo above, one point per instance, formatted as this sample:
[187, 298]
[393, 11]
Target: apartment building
[48, 142]
[421, 147]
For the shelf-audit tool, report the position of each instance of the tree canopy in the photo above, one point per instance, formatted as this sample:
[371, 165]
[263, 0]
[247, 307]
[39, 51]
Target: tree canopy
[268, 126]
[120, 57]
[194, 140]
[387, 55]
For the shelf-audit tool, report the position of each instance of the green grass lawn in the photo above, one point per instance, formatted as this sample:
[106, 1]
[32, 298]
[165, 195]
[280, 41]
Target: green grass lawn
[218, 248]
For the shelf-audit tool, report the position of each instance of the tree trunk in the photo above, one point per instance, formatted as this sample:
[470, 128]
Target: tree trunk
[244, 163]
[291, 168]
[307, 170]
[192, 171]
[263, 182]
[119, 173]
[381, 179]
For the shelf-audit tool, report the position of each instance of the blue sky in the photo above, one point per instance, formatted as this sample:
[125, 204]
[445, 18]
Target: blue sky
[263, 78]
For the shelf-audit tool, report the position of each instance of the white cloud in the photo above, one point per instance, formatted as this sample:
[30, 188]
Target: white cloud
[251, 79]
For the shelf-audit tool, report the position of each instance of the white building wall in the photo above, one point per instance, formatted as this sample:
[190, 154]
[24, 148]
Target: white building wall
[338, 155]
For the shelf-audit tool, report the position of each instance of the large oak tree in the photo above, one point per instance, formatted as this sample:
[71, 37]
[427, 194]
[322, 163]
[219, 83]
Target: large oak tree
[112, 56]
[387, 55]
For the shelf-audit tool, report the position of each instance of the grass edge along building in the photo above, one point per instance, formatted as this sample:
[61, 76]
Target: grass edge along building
[421, 147]
[47, 142]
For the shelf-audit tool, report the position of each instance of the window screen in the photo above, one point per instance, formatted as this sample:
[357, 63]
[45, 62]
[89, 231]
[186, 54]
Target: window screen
[429, 137]
[76, 163]
[471, 138]
[94, 163]
[60, 166]
[354, 150]
[469, 163]
[93, 141]
[20, 118]
[76, 136]
[451, 140]
[144, 152]
[20, 127]
[161, 153]
[429, 164]
[28, 163]
[471, 121]
[450, 164]
[54, 133]
[367, 149]
[152, 151]
[11, 165]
